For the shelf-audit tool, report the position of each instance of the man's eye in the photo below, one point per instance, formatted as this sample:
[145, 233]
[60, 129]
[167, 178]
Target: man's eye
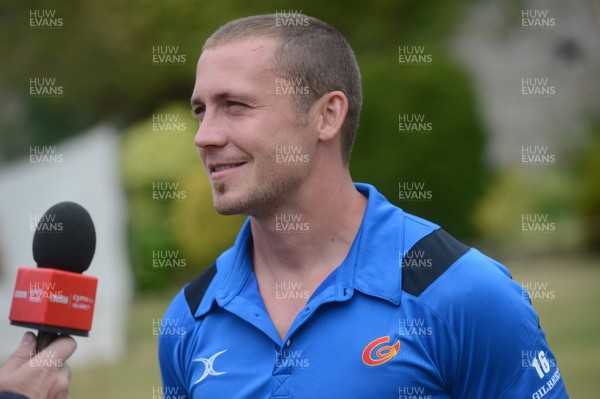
[235, 104]
[198, 111]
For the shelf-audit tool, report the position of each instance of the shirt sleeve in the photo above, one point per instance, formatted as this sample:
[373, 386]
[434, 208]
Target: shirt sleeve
[170, 348]
[501, 350]
[540, 377]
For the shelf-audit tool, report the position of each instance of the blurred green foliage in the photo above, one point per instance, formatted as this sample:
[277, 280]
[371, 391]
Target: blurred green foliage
[503, 216]
[590, 192]
[566, 193]
[447, 160]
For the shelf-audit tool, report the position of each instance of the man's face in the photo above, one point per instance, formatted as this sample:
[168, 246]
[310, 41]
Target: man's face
[242, 121]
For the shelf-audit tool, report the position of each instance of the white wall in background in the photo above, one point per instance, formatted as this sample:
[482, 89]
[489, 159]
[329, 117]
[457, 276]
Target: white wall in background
[88, 175]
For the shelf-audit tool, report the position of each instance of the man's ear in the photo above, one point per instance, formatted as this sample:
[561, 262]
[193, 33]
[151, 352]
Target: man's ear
[331, 110]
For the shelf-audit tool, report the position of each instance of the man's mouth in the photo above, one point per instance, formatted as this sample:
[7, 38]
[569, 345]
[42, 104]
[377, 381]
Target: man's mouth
[224, 167]
[222, 170]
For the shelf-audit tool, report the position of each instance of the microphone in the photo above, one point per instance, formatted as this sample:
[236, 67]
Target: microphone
[55, 298]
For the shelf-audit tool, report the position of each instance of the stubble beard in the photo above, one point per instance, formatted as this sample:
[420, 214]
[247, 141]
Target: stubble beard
[263, 198]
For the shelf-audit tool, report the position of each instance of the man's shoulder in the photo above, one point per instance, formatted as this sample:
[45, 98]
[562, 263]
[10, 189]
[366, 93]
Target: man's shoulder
[186, 302]
[466, 273]
[194, 291]
[436, 263]
[443, 272]
[200, 289]
[478, 293]
[439, 265]
[415, 229]
[428, 256]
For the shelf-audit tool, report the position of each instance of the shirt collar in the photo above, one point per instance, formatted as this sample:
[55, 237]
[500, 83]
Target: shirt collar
[372, 266]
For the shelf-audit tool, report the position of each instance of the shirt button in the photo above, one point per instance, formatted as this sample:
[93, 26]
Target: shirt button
[289, 342]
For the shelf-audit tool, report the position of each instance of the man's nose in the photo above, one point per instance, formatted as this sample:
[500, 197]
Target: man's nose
[210, 132]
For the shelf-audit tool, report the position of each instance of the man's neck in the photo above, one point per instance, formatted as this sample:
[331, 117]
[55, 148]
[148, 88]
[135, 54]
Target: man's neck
[308, 237]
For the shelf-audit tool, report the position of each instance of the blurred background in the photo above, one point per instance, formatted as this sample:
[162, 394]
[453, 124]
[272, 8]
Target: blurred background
[482, 116]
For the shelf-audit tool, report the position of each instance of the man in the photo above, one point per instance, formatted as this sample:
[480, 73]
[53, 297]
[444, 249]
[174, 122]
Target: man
[44, 376]
[330, 291]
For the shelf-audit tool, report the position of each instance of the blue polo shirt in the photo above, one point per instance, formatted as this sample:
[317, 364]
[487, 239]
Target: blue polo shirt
[411, 313]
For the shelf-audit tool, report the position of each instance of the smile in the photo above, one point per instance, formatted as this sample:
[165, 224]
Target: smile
[222, 170]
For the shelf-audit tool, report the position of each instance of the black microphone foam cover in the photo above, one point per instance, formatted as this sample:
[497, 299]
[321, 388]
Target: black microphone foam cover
[70, 243]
